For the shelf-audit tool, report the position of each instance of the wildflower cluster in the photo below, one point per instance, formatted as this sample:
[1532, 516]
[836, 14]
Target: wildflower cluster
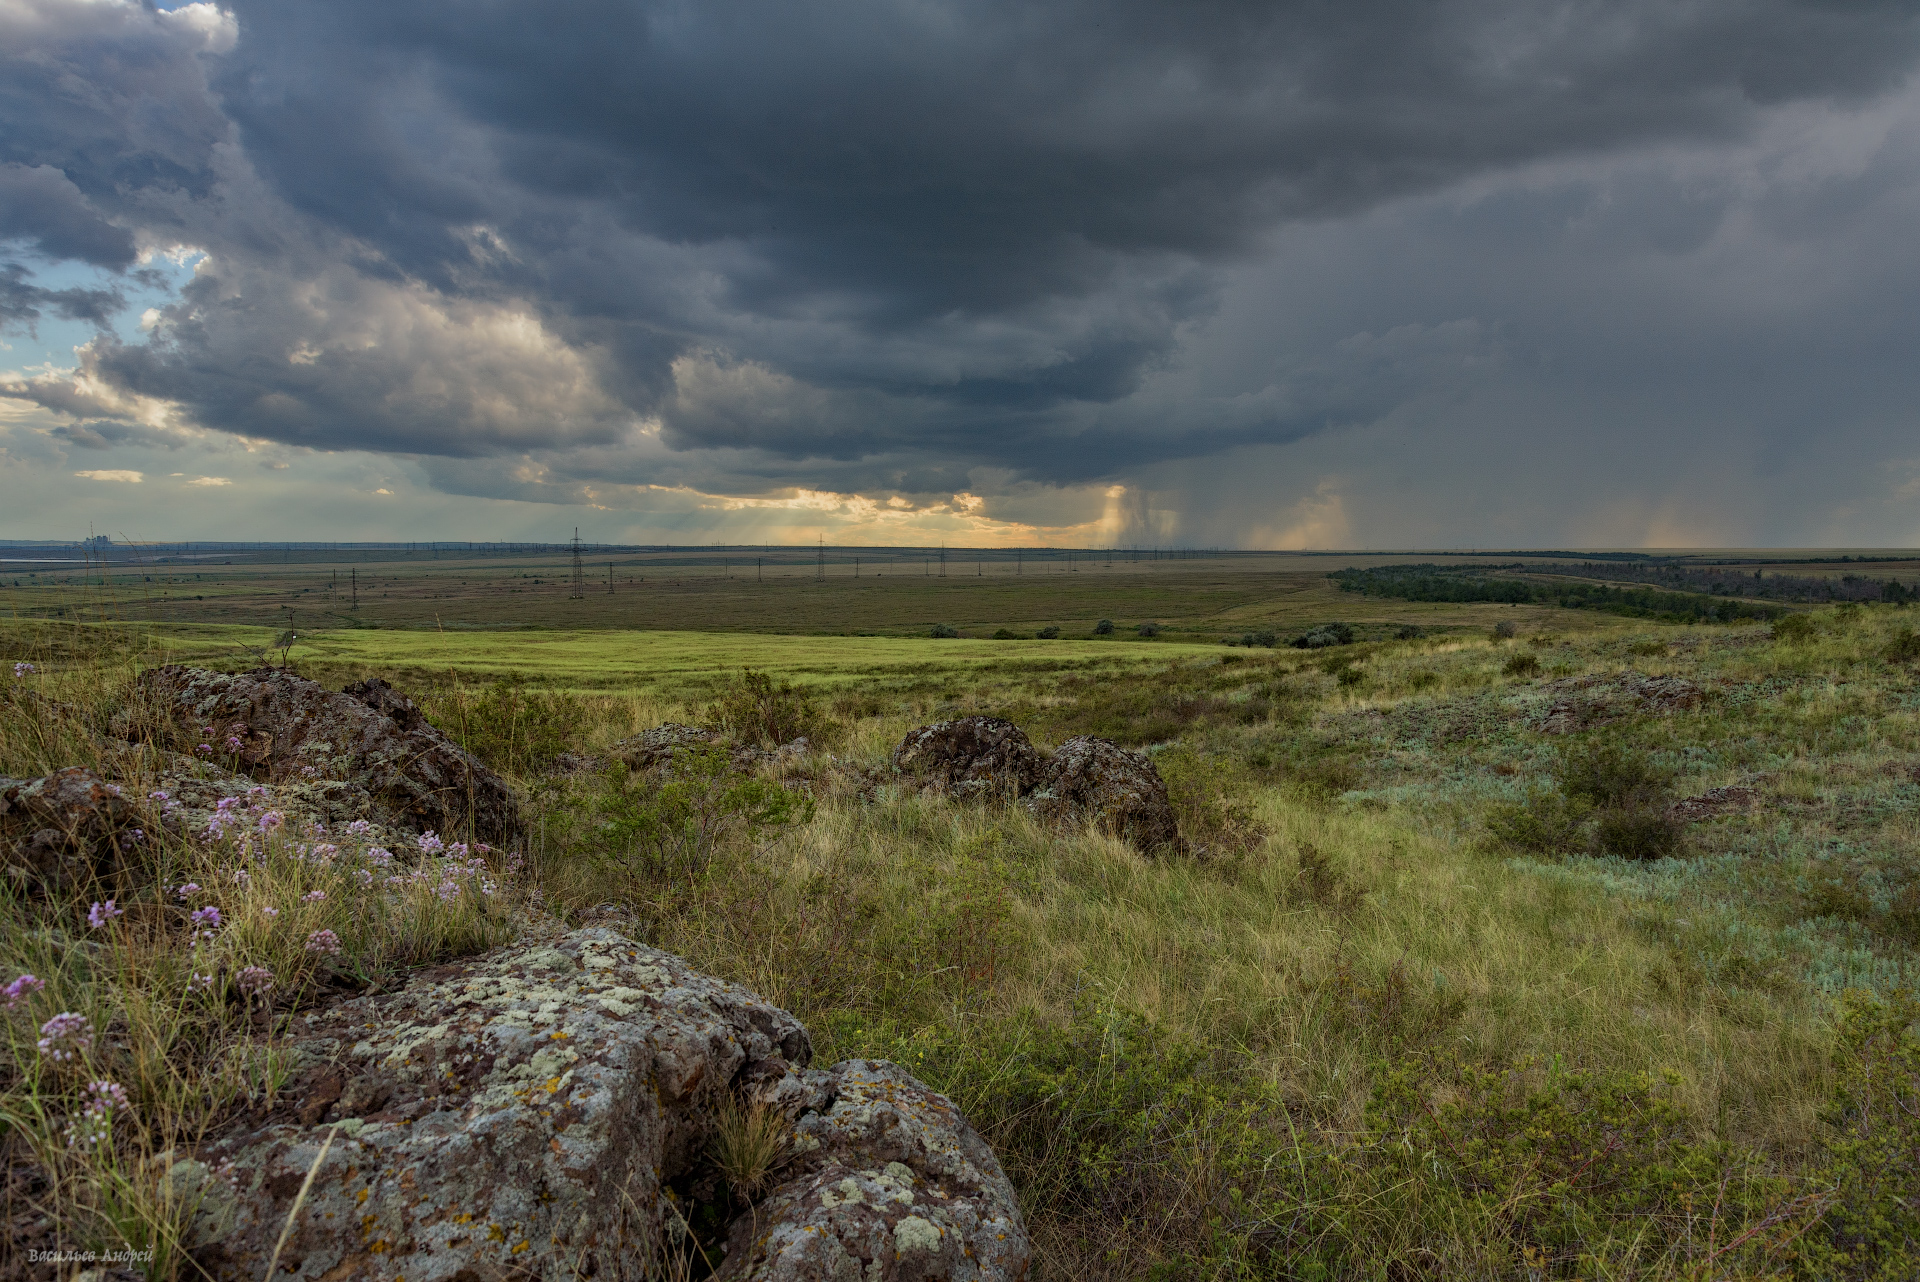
[100, 914]
[95, 1122]
[17, 992]
[66, 1036]
[21, 671]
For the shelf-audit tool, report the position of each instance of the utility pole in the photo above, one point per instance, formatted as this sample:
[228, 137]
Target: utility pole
[820, 560]
[579, 589]
[756, 570]
[354, 579]
[1019, 561]
[943, 560]
[609, 578]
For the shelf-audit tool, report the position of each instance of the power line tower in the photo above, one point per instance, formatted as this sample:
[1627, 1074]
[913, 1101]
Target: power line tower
[943, 560]
[579, 592]
[820, 560]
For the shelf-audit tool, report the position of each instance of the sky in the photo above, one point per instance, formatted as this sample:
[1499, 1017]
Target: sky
[1378, 273]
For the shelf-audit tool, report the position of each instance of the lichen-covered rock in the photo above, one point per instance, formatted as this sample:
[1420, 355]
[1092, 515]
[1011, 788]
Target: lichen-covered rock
[1096, 779]
[1580, 703]
[67, 830]
[386, 762]
[891, 1184]
[1713, 803]
[971, 757]
[517, 1114]
[543, 1111]
[655, 747]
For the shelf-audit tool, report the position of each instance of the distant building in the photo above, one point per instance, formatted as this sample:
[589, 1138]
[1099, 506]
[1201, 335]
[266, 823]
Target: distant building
[98, 542]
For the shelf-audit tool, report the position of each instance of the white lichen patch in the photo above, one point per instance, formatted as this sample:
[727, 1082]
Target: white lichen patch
[845, 1193]
[916, 1234]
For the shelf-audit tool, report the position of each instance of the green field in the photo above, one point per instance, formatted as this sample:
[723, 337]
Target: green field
[1443, 991]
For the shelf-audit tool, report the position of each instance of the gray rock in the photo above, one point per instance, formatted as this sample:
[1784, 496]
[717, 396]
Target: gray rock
[971, 757]
[532, 1112]
[388, 764]
[656, 747]
[67, 830]
[892, 1184]
[1096, 779]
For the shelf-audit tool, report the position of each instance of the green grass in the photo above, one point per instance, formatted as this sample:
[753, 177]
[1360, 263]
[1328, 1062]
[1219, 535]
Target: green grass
[1363, 1035]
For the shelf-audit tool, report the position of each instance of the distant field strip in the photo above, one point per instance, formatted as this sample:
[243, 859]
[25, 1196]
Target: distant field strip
[603, 659]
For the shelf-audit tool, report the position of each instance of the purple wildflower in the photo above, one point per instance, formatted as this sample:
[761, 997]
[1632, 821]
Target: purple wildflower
[17, 991]
[65, 1035]
[325, 942]
[255, 981]
[359, 828]
[187, 890]
[313, 896]
[95, 1122]
[207, 918]
[269, 912]
[23, 670]
[159, 794]
[100, 914]
[379, 855]
[430, 843]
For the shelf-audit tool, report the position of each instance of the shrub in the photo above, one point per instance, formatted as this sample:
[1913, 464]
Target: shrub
[1326, 634]
[1409, 632]
[1872, 1228]
[1904, 648]
[1608, 774]
[1262, 637]
[944, 630]
[1637, 832]
[1148, 629]
[1793, 628]
[1048, 633]
[756, 709]
[1349, 677]
[1006, 634]
[1522, 665]
[515, 730]
[1422, 678]
[1544, 821]
[1104, 628]
[1505, 630]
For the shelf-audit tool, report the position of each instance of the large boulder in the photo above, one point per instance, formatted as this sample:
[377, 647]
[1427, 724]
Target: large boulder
[546, 1111]
[971, 757]
[1096, 779]
[389, 764]
[890, 1175]
[67, 830]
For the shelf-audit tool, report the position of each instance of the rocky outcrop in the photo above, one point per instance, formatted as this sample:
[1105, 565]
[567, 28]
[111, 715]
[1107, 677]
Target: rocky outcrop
[971, 757]
[891, 1183]
[1120, 791]
[656, 747]
[1712, 803]
[66, 831]
[1580, 703]
[1087, 780]
[547, 1111]
[389, 765]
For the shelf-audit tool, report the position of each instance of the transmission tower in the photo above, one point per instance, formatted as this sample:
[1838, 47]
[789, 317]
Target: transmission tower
[820, 559]
[943, 560]
[579, 592]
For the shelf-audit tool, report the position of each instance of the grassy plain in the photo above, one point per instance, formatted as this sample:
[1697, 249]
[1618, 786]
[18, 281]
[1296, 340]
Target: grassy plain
[1404, 1014]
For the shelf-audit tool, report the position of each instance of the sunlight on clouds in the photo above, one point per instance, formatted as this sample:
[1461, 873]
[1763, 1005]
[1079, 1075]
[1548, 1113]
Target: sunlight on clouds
[111, 474]
[210, 480]
[1317, 521]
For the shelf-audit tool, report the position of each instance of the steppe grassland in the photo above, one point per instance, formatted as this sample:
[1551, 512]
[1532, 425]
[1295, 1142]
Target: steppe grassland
[1372, 919]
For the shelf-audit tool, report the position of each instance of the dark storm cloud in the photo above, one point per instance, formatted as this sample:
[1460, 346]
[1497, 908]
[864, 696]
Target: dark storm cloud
[871, 244]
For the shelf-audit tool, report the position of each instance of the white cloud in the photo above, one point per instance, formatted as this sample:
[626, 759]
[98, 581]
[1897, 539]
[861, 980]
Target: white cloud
[210, 480]
[111, 474]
